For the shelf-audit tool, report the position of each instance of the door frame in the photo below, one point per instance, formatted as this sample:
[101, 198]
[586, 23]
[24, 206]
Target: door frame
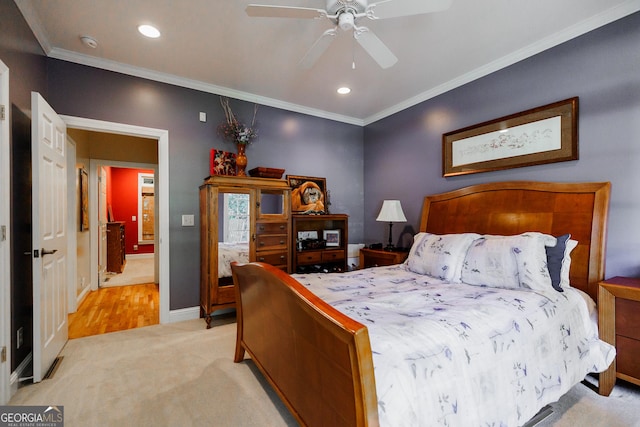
[5, 252]
[162, 248]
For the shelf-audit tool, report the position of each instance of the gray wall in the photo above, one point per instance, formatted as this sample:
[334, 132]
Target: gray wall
[602, 68]
[300, 144]
[20, 51]
[403, 152]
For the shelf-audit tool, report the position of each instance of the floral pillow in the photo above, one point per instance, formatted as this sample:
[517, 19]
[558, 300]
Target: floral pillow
[439, 256]
[566, 263]
[509, 261]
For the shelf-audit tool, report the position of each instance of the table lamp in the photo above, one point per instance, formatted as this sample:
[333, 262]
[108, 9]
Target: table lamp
[391, 212]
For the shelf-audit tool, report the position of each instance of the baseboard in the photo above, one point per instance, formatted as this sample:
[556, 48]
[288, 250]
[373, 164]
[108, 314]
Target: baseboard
[183, 314]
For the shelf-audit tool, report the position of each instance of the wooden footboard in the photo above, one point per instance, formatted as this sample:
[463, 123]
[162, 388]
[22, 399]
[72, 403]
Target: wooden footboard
[317, 359]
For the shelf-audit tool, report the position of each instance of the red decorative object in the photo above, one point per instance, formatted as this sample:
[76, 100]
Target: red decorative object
[222, 163]
[241, 160]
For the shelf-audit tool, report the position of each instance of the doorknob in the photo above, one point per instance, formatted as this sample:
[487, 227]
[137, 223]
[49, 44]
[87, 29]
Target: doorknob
[46, 252]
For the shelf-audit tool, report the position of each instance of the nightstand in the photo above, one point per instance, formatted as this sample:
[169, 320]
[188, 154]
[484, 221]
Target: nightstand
[619, 325]
[379, 257]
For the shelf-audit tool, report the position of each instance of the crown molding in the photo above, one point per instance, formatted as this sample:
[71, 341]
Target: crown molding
[145, 73]
[31, 16]
[553, 40]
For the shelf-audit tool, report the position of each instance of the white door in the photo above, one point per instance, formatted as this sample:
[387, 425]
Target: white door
[102, 221]
[49, 200]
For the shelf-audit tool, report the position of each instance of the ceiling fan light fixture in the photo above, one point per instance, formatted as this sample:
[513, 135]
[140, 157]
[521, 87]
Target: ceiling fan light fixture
[346, 21]
[344, 90]
[149, 31]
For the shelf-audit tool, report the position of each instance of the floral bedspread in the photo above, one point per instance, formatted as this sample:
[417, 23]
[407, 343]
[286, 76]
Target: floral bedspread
[228, 252]
[448, 354]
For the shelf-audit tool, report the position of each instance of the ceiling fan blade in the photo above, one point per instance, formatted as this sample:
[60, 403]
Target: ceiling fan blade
[374, 47]
[395, 8]
[265, 11]
[318, 48]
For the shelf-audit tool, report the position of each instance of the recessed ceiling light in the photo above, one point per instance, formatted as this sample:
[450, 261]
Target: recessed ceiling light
[344, 90]
[149, 31]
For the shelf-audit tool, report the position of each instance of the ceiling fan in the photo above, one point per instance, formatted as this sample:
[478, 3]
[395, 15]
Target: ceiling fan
[344, 14]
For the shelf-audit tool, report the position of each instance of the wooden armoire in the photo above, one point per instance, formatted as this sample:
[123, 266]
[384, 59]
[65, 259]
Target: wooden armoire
[269, 232]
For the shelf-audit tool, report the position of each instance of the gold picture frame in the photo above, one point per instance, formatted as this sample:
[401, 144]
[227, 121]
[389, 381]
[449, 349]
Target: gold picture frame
[84, 199]
[541, 135]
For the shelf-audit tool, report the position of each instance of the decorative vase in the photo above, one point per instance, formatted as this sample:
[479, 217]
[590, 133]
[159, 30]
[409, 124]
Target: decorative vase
[241, 160]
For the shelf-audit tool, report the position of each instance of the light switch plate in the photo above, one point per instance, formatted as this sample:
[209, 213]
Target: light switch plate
[188, 220]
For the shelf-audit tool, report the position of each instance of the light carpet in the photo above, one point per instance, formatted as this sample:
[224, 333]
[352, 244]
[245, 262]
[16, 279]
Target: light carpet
[136, 272]
[183, 374]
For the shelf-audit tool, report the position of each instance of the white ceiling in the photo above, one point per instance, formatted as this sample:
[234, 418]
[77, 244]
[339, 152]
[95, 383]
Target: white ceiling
[213, 46]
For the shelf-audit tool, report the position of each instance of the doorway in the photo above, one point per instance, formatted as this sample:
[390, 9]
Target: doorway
[127, 226]
[121, 290]
[161, 253]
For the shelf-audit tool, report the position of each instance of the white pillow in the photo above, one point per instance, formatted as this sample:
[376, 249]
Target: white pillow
[439, 256]
[509, 261]
[566, 263]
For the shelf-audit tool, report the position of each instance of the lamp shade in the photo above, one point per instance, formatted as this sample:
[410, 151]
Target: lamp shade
[391, 212]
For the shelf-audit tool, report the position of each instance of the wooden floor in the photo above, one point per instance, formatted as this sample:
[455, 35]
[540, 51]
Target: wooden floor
[115, 309]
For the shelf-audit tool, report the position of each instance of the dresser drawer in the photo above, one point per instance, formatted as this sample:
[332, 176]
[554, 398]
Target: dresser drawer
[628, 318]
[273, 258]
[271, 228]
[311, 257]
[271, 241]
[224, 295]
[627, 360]
[329, 256]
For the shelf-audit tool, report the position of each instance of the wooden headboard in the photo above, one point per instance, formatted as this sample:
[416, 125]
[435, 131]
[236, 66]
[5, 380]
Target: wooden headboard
[509, 208]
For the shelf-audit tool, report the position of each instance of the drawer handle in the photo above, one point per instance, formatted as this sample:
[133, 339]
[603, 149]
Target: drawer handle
[261, 259]
[281, 256]
[282, 242]
[261, 243]
[282, 227]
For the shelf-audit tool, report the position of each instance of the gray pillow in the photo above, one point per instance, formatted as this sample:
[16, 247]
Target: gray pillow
[555, 255]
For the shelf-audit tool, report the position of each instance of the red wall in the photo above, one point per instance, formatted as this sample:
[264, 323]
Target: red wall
[122, 194]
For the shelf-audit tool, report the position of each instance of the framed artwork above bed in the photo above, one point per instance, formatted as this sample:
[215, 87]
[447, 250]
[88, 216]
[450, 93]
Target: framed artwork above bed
[541, 135]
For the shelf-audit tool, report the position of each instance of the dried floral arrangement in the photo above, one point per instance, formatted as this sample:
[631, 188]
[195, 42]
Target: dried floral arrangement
[232, 129]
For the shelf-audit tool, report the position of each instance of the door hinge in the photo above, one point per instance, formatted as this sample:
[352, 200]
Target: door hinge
[2, 112]
[3, 233]
[3, 355]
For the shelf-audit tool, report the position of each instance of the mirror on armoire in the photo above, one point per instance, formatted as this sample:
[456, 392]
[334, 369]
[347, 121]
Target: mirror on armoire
[234, 229]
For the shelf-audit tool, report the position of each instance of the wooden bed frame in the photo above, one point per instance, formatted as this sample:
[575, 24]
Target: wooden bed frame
[319, 360]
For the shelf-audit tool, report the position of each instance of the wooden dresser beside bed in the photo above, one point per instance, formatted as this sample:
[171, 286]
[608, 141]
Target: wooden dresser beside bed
[320, 360]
